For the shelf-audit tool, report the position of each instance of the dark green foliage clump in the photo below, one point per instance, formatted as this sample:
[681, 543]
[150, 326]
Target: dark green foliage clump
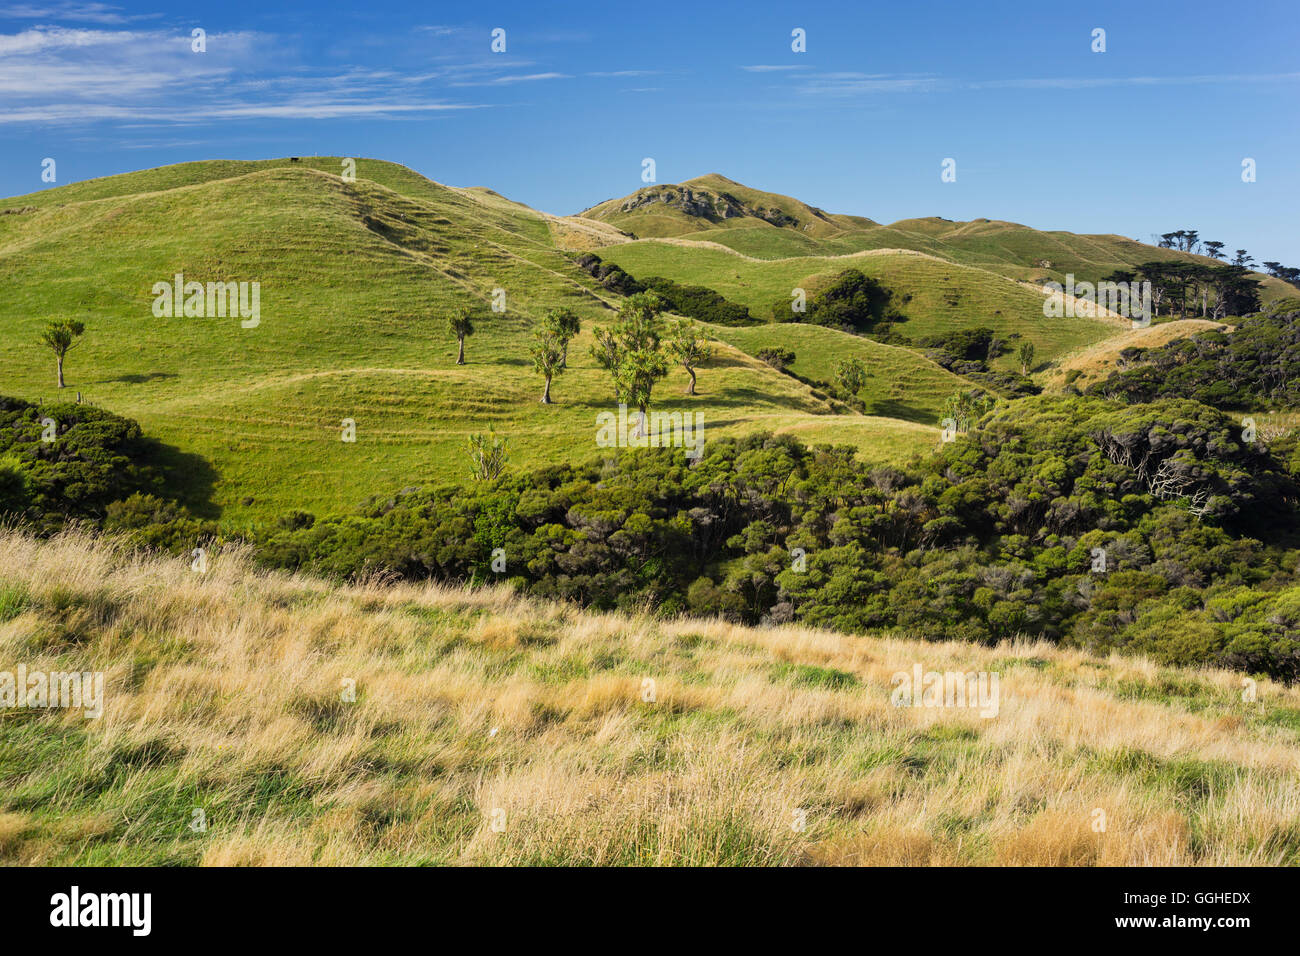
[697, 302]
[853, 302]
[777, 357]
[99, 469]
[93, 458]
[967, 352]
[692, 301]
[609, 275]
[965, 345]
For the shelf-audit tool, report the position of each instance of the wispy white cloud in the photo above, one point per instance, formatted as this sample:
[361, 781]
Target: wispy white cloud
[509, 79]
[1090, 82]
[61, 75]
[165, 144]
[333, 109]
[769, 68]
[71, 112]
[853, 84]
[102, 13]
[55, 39]
[113, 65]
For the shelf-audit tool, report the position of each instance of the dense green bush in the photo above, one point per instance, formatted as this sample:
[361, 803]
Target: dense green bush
[852, 302]
[93, 458]
[153, 522]
[967, 352]
[692, 301]
[1257, 364]
[609, 275]
[990, 538]
[777, 357]
[697, 302]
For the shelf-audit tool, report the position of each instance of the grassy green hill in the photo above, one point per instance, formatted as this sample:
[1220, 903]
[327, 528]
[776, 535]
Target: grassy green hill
[357, 279]
[716, 203]
[356, 282]
[771, 226]
[935, 295]
[488, 729]
[900, 383]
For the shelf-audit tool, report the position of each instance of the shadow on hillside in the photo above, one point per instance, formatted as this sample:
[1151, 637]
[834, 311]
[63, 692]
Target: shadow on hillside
[893, 408]
[139, 378]
[734, 396]
[190, 479]
[723, 360]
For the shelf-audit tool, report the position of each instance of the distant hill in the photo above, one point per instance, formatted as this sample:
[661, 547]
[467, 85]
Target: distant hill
[935, 295]
[768, 225]
[715, 202]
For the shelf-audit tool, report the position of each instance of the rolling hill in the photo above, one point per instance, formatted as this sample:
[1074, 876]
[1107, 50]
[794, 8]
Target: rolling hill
[357, 277]
[768, 225]
[356, 281]
[900, 383]
[936, 296]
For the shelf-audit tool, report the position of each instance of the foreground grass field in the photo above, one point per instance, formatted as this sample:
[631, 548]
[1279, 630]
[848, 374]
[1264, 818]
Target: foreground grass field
[488, 729]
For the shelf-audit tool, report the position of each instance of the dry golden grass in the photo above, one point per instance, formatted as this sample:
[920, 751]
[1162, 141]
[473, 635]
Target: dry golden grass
[583, 235]
[489, 729]
[1100, 360]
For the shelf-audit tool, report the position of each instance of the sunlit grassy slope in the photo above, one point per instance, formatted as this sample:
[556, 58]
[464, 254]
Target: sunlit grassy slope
[900, 382]
[1007, 248]
[935, 295]
[357, 280]
[1101, 360]
[490, 729]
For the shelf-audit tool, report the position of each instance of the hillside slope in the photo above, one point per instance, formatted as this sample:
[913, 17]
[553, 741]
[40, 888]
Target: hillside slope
[1101, 360]
[486, 729]
[936, 296]
[357, 280]
[772, 226]
[900, 382]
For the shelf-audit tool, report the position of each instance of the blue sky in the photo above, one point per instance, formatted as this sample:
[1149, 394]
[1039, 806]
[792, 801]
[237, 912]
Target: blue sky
[1146, 137]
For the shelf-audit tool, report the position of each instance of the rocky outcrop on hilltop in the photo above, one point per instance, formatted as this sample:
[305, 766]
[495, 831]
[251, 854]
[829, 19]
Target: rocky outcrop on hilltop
[706, 204]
